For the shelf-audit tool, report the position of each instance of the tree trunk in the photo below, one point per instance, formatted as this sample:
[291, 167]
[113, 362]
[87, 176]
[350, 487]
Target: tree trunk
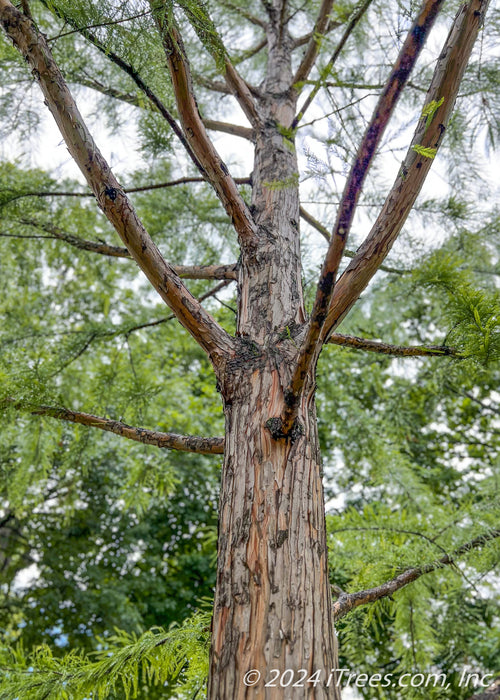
[273, 608]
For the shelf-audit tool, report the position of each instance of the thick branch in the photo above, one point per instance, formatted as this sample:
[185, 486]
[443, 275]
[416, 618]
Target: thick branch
[445, 84]
[194, 129]
[352, 341]
[108, 192]
[349, 601]
[312, 343]
[194, 272]
[314, 44]
[234, 129]
[184, 443]
[242, 92]
[358, 14]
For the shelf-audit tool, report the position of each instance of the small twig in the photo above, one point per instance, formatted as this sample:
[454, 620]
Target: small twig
[127, 190]
[358, 14]
[100, 24]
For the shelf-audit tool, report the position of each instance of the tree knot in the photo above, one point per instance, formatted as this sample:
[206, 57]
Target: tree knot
[275, 427]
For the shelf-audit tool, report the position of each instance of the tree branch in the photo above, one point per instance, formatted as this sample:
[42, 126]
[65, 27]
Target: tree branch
[108, 23]
[358, 14]
[151, 324]
[132, 73]
[172, 441]
[314, 44]
[220, 86]
[194, 272]
[233, 129]
[352, 341]
[213, 166]
[234, 81]
[242, 92]
[108, 192]
[443, 90]
[245, 55]
[309, 218]
[306, 38]
[349, 601]
[311, 345]
[127, 190]
[244, 13]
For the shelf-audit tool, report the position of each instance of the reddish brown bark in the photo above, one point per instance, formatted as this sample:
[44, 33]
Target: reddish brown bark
[273, 600]
[273, 607]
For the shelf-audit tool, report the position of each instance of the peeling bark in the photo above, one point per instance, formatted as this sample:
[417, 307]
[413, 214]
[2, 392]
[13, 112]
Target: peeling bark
[273, 607]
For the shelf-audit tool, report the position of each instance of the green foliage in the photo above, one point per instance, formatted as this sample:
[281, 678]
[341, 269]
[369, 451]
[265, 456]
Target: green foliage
[423, 151]
[124, 664]
[199, 17]
[430, 110]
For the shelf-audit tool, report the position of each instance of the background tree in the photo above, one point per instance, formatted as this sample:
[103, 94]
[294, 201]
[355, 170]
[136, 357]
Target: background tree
[413, 501]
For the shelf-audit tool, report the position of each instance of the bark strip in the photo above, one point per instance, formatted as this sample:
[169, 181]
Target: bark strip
[107, 190]
[349, 601]
[311, 346]
[443, 90]
[173, 441]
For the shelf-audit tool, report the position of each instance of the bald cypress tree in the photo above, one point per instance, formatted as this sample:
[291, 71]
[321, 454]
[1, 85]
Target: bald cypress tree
[274, 608]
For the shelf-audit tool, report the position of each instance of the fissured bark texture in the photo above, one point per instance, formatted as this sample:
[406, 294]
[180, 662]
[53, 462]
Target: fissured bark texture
[273, 607]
